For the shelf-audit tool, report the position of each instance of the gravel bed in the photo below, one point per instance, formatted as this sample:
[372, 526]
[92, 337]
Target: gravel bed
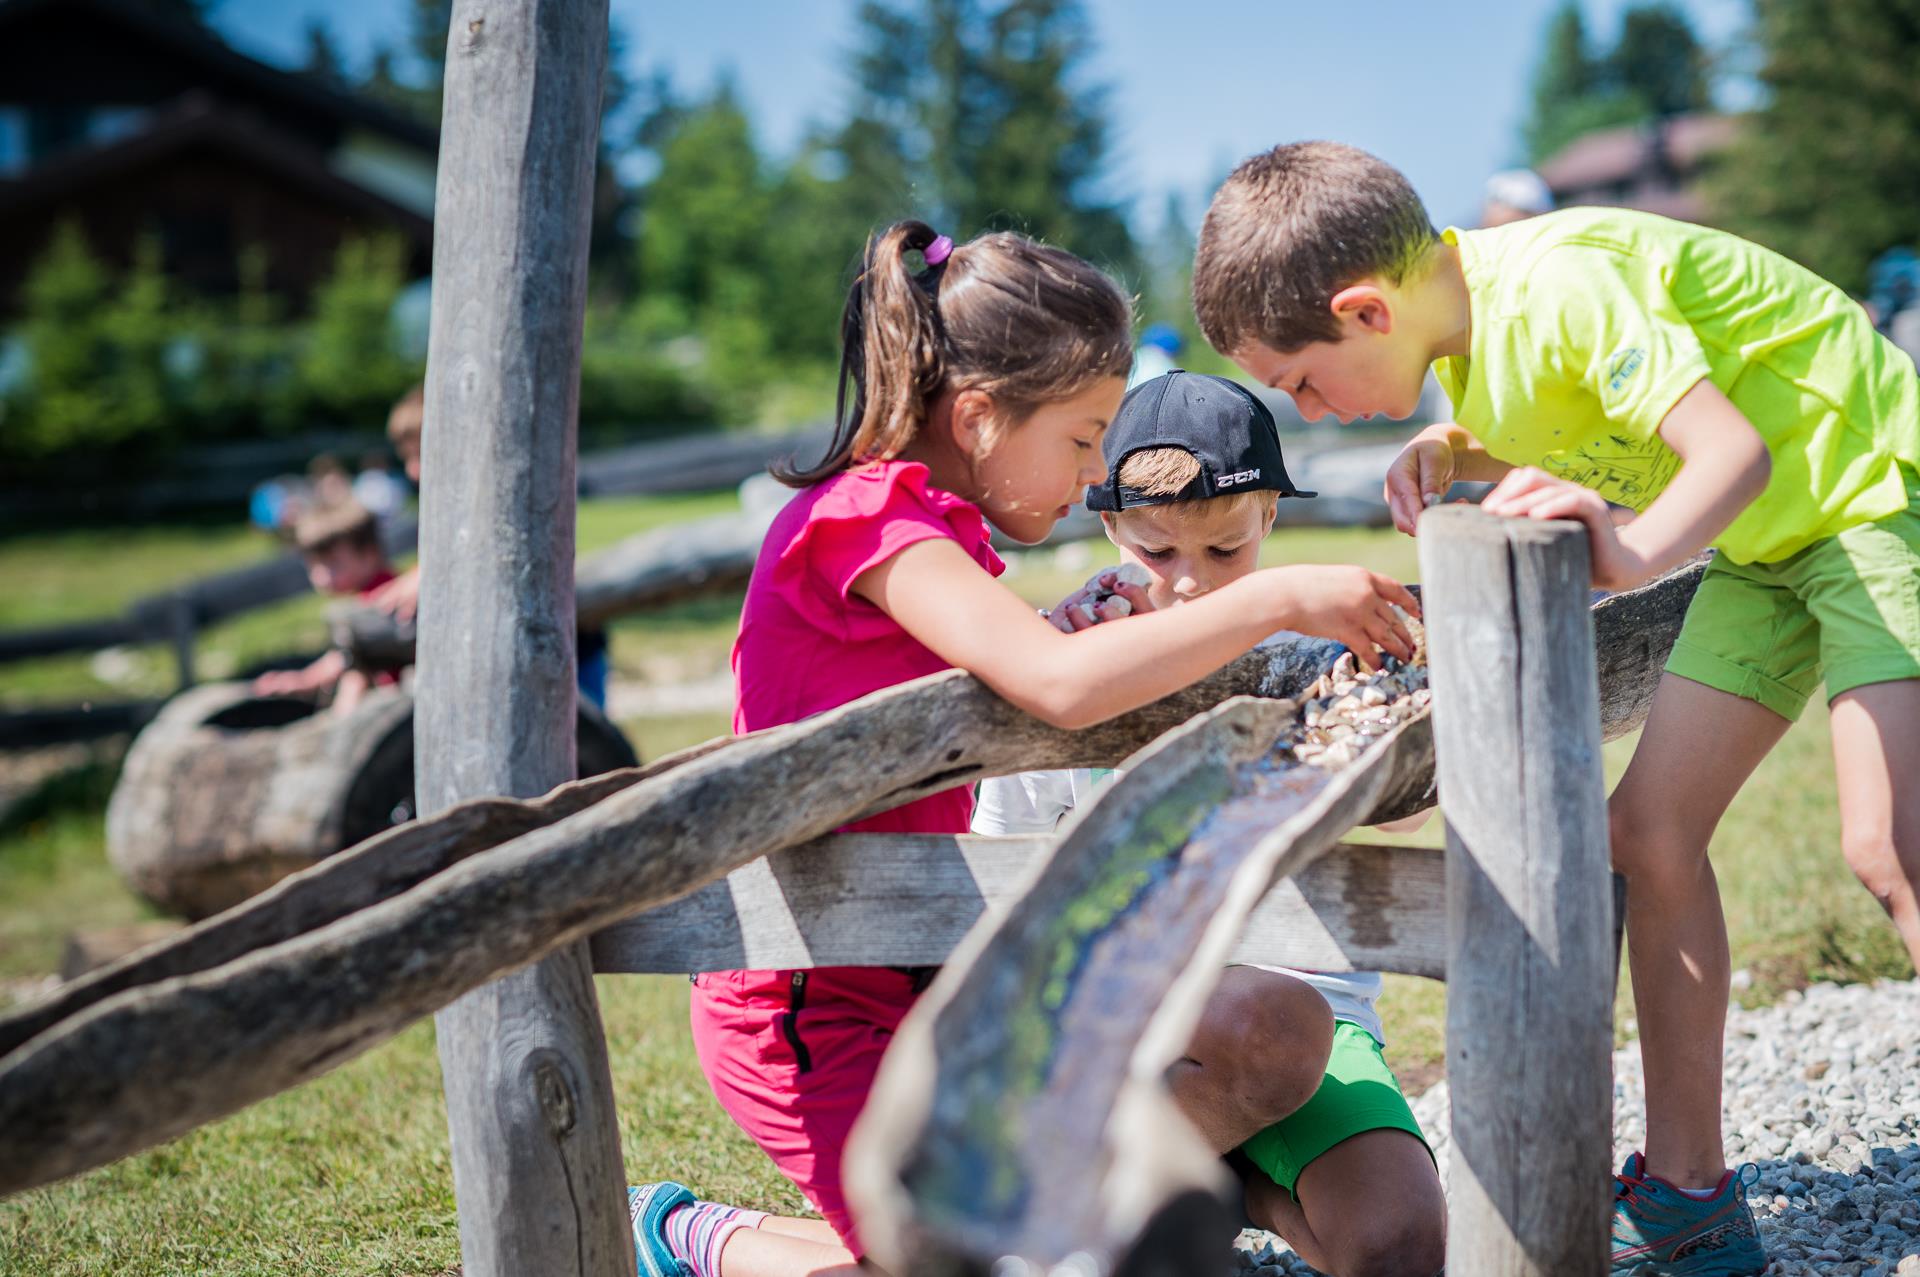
[1822, 1096]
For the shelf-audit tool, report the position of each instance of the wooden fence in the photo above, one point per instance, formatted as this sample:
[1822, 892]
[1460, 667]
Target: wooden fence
[1019, 1121]
[334, 960]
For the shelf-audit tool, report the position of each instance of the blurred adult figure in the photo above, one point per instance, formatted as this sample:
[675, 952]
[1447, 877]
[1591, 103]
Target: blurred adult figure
[1513, 195]
[1893, 298]
[1158, 352]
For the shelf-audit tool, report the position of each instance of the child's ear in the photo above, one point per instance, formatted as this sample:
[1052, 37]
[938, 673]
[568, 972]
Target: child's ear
[1364, 304]
[1273, 509]
[973, 421]
[1107, 522]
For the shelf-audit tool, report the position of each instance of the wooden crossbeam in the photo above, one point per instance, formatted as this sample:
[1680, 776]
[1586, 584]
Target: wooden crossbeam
[337, 959]
[905, 900]
[116, 1072]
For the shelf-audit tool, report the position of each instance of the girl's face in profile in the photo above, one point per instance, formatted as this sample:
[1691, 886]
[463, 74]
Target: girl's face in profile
[1034, 471]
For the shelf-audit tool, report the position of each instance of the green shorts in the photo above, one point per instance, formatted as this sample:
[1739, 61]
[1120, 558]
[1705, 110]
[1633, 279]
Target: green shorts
[1846, 609]
[1359, 1094]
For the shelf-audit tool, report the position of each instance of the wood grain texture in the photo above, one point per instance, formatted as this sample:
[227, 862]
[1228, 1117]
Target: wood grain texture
[149, 1061]
[1020, 1111]
[376, 870]
[1530, 894]
[207, 812]
[907, 900]
[407, 857]
[535, 1146]
[149, 1048]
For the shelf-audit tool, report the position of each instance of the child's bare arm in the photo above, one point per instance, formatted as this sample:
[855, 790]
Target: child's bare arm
[1433, 461]
[1725, 466]
[322, 673]
[936, 592]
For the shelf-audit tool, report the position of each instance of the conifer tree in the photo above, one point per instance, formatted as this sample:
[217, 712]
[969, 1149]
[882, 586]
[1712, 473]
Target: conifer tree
[1828, 169]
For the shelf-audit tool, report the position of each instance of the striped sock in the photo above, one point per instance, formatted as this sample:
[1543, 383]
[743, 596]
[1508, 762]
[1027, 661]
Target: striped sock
[698, 1232]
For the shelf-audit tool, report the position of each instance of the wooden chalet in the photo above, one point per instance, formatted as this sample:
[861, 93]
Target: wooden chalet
[129, 120]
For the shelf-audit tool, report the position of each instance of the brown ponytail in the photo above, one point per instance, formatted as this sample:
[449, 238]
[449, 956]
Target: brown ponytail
[1025, 322]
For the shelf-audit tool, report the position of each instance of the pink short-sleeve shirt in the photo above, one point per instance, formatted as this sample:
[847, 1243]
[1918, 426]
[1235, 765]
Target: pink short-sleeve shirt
[809, 644]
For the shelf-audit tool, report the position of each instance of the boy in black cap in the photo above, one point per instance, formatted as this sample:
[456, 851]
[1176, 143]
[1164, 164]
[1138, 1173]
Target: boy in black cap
[1285, 1071]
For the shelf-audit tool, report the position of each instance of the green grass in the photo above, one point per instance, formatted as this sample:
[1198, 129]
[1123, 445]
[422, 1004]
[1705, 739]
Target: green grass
[54, 877]
[349, 1174]
[82, 575]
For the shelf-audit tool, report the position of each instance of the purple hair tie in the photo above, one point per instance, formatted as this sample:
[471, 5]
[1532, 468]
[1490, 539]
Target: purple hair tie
[938, 251]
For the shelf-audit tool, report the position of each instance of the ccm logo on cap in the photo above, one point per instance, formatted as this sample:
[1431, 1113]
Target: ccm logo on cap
[1236, 478]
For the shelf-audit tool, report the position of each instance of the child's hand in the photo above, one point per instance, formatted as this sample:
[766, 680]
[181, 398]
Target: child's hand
[1110, 595]
[1418, 478]
[1534, 494]
[400, 596]
[1349, 605]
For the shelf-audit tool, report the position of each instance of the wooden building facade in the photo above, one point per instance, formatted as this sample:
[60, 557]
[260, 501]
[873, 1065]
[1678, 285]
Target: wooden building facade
[128, 121]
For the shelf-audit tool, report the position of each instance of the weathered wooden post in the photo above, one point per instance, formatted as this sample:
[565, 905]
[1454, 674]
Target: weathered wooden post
[536, 1158]
[1530, 917]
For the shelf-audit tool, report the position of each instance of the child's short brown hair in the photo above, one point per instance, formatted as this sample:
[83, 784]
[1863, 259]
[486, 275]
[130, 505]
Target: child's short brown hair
[1162, 472]
[1290, 228]
[321, 530]
[405, 421]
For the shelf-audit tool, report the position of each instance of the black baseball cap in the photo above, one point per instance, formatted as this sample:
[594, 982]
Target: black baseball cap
[1223, 424]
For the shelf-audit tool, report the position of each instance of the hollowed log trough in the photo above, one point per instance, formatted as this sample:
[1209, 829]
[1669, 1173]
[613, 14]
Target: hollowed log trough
[226, 792]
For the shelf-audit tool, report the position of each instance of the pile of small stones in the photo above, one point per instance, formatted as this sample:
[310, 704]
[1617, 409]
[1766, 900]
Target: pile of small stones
[1348, 709]
[1822, 1095]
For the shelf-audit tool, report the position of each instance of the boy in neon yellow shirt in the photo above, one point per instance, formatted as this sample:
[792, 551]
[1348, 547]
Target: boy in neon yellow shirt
[1725, 396]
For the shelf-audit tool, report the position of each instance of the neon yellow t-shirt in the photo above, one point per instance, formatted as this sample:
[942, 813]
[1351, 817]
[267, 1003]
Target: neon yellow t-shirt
[1589, 324]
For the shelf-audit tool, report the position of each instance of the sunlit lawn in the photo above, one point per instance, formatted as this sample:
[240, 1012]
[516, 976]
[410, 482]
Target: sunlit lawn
[349, 1174]
[83, 575]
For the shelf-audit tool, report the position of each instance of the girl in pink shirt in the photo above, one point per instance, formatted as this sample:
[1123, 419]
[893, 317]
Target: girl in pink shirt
[982, 378]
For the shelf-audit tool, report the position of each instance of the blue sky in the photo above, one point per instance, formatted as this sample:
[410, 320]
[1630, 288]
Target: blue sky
[1436, 90]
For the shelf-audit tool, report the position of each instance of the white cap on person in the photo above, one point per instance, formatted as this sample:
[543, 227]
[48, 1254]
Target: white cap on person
[1520, 189]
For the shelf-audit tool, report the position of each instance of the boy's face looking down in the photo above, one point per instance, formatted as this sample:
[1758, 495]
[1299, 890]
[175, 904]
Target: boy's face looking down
[1375, 367]
[1194, 547]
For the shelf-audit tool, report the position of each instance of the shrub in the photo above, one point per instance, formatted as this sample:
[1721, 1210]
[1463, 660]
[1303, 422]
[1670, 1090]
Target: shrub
[97, 355]
[349, 367]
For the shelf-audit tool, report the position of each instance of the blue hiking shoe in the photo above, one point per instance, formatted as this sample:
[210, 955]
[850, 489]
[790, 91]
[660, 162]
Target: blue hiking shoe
[1659, 1231]
[648, 1206]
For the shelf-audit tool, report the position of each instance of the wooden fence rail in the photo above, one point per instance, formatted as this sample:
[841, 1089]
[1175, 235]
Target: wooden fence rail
[907, 900]
[336, 959]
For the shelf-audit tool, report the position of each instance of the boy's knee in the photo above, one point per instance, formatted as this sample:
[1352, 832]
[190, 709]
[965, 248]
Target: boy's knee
[1649, 848]
[1397, 1246]
[1268, 1042]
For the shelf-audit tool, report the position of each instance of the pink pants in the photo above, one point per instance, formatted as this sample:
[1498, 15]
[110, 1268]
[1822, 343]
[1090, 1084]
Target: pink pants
[791, 1056]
